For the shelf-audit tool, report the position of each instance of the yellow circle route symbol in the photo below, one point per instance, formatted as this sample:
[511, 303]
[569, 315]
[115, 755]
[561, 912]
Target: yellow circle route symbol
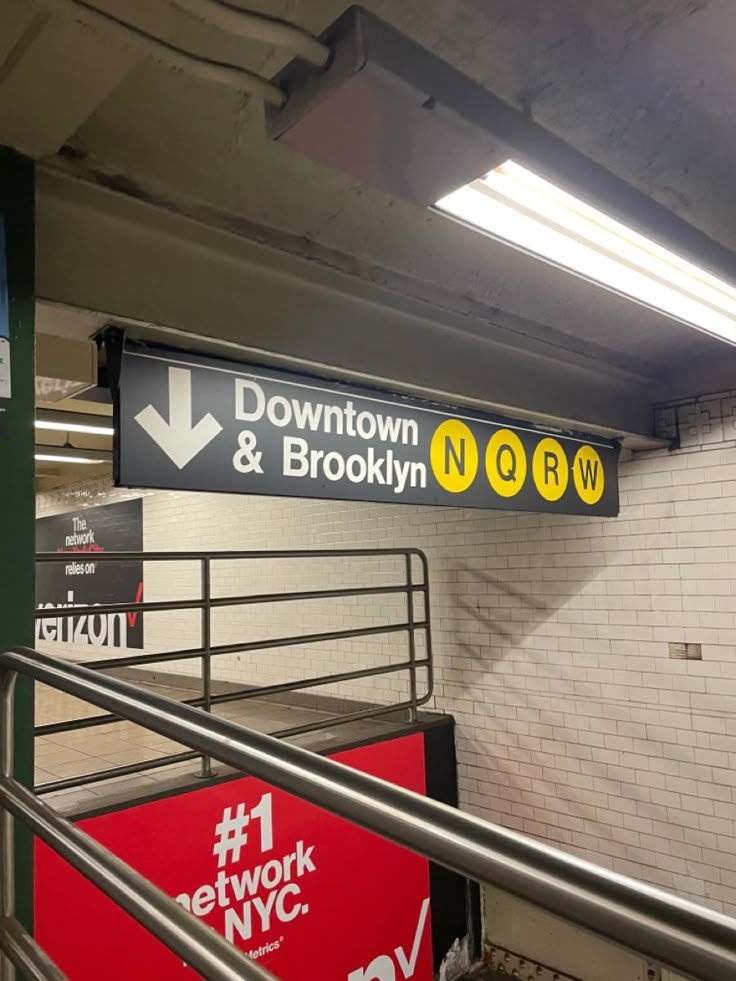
[587, 472]
[506, 464]
[453, 455]
[550, 469]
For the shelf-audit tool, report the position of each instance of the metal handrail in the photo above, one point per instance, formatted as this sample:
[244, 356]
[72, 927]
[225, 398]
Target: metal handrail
[685, 937]
[204, 653]
[199, 946]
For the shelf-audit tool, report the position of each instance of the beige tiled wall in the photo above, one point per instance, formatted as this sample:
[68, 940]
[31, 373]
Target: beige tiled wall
[551, 646]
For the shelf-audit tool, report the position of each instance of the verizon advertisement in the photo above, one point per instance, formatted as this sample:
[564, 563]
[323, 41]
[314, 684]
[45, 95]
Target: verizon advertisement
[302, 891]
[81, 581]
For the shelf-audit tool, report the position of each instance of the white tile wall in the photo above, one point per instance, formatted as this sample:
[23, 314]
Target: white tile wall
[551, 647]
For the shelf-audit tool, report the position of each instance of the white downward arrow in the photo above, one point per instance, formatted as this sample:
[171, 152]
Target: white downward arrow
[177, 438]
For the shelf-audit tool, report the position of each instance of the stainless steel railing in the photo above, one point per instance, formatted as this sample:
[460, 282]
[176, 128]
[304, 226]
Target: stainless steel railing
[681, 935]
[415, 629]
[208, 953]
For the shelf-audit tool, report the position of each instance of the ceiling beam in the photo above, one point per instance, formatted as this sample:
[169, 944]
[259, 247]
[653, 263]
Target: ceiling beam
[52, 80]
[105, 251]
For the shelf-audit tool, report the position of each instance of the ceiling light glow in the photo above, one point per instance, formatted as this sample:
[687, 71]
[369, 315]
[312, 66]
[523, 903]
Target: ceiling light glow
[74, 427]
[514, 205]
[56, 458]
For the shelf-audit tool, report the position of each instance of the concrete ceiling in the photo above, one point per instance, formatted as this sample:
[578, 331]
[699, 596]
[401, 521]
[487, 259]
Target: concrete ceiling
[645, 88]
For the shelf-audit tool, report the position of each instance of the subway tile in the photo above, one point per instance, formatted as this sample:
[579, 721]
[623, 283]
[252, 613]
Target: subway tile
[550, 637]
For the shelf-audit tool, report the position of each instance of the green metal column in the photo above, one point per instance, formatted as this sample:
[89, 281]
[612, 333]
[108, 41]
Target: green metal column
[17, 491]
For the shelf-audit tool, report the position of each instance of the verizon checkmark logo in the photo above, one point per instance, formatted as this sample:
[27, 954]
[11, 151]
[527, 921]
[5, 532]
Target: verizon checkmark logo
[383, 967]
[133, 617]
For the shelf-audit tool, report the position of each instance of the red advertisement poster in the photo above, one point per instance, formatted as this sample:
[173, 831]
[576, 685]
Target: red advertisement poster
[308, 894]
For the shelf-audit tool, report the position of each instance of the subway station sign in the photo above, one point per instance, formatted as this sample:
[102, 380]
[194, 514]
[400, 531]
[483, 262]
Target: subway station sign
[191, 423]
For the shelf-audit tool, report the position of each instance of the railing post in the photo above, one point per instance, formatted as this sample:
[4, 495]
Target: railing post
[412, 639]
[427, 617]
[205, 770]
[7, 821]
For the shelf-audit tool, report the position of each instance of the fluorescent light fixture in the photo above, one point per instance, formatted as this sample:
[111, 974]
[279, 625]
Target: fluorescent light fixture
[71, 454]
[73, 422]
[55, 458]
[75, 428]
[514, 205]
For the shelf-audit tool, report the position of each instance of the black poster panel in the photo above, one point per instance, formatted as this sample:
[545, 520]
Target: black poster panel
[83, 582]
[455, 900]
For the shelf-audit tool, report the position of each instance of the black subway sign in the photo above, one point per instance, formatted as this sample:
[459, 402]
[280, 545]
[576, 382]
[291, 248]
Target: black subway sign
[190, 423]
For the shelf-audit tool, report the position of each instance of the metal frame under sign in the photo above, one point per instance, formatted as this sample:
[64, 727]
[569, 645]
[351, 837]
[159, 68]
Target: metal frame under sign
[185, 422]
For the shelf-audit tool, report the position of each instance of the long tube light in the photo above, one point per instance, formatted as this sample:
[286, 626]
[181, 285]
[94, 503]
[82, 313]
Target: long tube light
[75, 428]
[514, 205]
[55, 420]
[53, 458]
[71, 454]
